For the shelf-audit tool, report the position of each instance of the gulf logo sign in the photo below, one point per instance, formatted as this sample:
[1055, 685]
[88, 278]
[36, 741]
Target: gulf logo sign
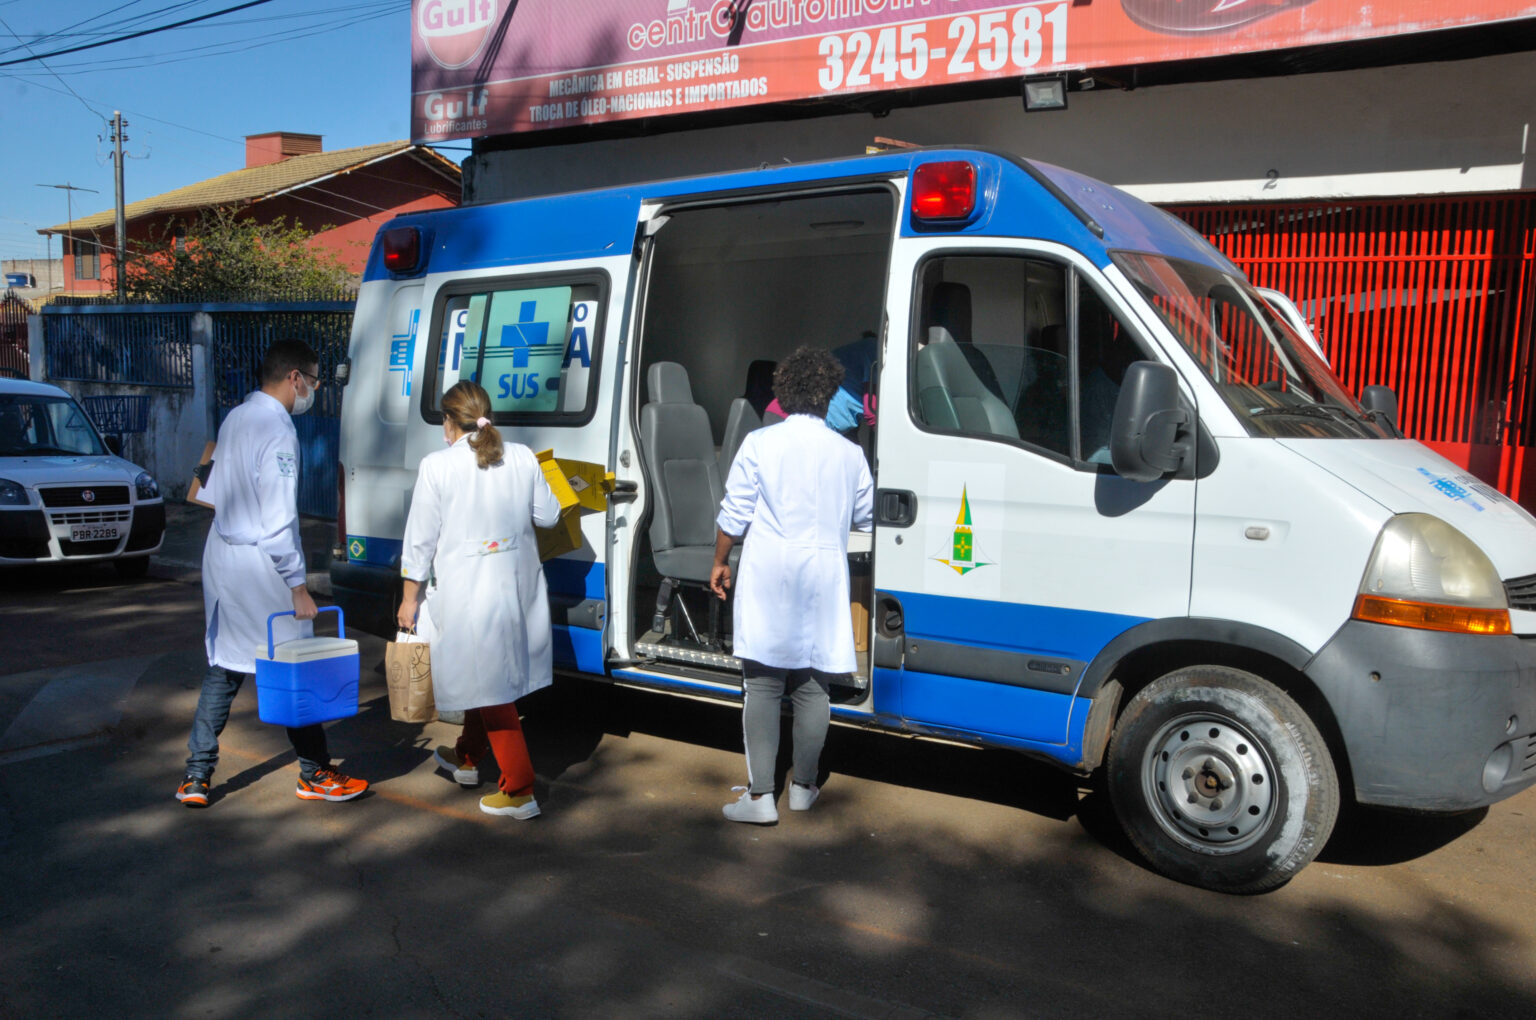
[455, 31]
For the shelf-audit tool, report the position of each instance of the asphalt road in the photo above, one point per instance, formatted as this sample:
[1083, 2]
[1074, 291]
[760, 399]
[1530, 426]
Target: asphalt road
[928, 880]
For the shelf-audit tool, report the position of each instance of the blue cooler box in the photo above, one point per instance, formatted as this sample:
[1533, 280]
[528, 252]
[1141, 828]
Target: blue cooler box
[308, 680]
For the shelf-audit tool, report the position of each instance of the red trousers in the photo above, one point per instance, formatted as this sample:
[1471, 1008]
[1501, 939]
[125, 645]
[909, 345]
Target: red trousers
[498, 728]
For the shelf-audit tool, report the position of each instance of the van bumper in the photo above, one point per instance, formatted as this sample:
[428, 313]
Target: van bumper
[1432, 721]
[368, 594]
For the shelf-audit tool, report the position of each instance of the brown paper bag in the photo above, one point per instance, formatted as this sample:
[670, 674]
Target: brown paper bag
[408, 675]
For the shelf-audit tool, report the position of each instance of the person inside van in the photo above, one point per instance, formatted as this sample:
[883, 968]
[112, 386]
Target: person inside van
[794, 491]
[852, 403]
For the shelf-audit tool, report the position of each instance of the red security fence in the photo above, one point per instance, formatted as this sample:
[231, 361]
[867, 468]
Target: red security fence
[13, 337]
[1434, 297]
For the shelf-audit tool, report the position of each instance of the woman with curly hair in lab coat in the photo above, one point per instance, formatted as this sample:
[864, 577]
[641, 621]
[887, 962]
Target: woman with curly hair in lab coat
[794, 490]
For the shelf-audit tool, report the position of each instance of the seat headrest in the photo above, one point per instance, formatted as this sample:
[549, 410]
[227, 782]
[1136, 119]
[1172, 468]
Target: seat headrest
[667, 383]
[950, 307]
[759, 391]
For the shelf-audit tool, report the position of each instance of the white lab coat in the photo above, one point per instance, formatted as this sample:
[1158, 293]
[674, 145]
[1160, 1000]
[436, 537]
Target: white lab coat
[800, 487]
[491, 607]
[253, 558]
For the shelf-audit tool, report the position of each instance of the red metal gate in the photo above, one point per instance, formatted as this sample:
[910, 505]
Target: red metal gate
[13, 337]
[1434, 297]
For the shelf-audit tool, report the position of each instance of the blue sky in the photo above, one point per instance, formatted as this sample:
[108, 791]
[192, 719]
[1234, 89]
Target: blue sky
[338, 68]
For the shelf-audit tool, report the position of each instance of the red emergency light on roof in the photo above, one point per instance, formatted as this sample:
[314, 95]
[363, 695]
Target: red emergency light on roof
[402, 249]
[944, 191]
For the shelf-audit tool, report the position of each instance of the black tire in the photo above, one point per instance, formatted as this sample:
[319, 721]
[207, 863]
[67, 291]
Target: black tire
[1221, 780]
[131, 568]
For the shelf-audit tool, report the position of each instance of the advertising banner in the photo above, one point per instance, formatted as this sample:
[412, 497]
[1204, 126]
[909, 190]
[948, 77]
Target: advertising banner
[483, 67]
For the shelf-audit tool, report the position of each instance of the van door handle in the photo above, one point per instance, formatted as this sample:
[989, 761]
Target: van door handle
[895, 508]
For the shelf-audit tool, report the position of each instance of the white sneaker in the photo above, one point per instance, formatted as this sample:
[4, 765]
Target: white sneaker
[449, 761]
[756, 812]
[802, 797]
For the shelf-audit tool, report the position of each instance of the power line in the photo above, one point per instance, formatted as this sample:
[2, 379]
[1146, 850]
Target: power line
[134, 35]
[55, 73]
[213, 49]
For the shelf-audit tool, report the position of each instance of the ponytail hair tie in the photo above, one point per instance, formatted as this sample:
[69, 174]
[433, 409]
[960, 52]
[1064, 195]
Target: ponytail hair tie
[481, 423]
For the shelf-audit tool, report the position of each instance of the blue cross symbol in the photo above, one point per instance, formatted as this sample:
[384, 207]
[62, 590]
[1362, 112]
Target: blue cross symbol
[524, 333]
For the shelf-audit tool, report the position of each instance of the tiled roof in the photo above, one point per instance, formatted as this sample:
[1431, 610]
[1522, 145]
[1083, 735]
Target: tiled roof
[249, 184]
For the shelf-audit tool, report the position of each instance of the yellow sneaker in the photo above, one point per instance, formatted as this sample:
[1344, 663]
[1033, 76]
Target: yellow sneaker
[451, 762]
[499, 803]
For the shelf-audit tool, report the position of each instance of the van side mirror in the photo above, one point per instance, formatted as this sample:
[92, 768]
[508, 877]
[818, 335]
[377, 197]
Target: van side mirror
[1382, 403]
[114, 443]
[1144, 441]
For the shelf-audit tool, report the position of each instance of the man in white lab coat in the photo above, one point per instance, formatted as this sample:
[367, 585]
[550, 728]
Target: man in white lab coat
[795, 490]
[253, 566]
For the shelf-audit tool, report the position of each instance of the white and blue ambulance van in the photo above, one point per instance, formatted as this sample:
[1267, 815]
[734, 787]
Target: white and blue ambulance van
[1126, 518]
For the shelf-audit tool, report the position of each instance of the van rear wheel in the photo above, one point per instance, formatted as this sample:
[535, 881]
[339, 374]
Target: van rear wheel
[1221, 780]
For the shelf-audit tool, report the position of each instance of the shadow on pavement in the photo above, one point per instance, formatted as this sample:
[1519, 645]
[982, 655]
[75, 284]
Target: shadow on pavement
[908, 887]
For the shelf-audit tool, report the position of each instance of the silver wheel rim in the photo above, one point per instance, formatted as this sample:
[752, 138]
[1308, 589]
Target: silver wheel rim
[1209, 783]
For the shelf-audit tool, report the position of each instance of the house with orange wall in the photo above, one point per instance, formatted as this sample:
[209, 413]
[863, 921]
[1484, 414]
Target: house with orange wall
[342, 196]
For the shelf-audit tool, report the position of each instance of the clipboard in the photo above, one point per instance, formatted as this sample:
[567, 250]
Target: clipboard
[200, 477]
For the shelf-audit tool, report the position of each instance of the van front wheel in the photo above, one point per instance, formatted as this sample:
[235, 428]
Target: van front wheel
[1221, 780]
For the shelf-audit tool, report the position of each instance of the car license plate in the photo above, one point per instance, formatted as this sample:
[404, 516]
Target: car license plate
[94, 533]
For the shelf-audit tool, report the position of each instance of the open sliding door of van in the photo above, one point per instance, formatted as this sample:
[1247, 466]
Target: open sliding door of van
[1007, 551]
[730, 284]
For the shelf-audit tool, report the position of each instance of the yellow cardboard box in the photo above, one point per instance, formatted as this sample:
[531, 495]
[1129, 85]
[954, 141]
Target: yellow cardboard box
[580, 487]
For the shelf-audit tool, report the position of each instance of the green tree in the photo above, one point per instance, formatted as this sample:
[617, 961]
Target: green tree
[227, 256]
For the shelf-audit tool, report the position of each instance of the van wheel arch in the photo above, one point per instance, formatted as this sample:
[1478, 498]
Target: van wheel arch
[1123, 678]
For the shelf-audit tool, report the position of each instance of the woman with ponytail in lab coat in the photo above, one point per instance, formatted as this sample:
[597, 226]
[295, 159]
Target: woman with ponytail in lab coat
[471, 521]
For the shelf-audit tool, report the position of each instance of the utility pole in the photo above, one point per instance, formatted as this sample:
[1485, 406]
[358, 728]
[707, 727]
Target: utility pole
[69, 207]
[118, 138]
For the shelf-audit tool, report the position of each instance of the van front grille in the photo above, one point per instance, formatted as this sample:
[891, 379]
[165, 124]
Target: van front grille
[1521, 592]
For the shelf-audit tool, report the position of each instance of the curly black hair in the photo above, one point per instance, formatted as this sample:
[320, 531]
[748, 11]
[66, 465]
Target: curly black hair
[805, 381]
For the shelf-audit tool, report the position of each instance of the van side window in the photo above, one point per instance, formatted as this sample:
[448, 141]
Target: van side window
[1105, 349]
[530, 345]
[994, 354]
[992, 350]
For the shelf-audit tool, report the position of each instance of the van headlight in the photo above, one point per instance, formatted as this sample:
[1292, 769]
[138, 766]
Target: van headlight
[12, 493]
[145, 486]
[1425, 574]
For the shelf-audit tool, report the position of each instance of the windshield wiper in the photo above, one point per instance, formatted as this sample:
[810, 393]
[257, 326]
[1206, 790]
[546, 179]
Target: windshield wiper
[1327, 412]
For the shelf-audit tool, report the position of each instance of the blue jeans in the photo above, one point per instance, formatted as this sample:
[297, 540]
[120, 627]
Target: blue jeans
[219, 690]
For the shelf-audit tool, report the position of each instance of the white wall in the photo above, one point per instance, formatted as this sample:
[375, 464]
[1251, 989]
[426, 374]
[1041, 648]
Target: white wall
[1460, 126]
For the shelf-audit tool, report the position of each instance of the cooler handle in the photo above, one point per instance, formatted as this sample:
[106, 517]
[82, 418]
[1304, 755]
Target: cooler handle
[341, 625]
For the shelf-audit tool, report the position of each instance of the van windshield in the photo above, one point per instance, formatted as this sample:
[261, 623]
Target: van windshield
[1273, 380]
[41, 426]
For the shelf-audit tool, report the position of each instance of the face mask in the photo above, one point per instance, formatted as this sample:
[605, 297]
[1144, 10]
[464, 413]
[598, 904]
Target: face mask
[305, 402]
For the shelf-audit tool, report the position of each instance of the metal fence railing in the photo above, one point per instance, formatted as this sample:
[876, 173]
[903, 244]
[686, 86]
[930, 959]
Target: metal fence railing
[151, 346]
[14, 359]
[144, 346]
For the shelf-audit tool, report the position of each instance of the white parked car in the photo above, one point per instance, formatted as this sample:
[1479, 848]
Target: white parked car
[64, 495]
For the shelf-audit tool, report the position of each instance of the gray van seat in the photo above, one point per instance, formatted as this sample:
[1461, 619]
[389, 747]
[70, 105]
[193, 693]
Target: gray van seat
[740, 420]
[679, 450]
[950, 395]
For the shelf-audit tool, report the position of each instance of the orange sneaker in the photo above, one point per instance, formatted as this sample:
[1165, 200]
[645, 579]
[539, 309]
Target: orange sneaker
[328, 784]
[193, 792]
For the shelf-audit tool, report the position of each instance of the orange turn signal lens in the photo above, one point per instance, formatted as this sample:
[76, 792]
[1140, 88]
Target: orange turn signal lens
[1431, 616]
